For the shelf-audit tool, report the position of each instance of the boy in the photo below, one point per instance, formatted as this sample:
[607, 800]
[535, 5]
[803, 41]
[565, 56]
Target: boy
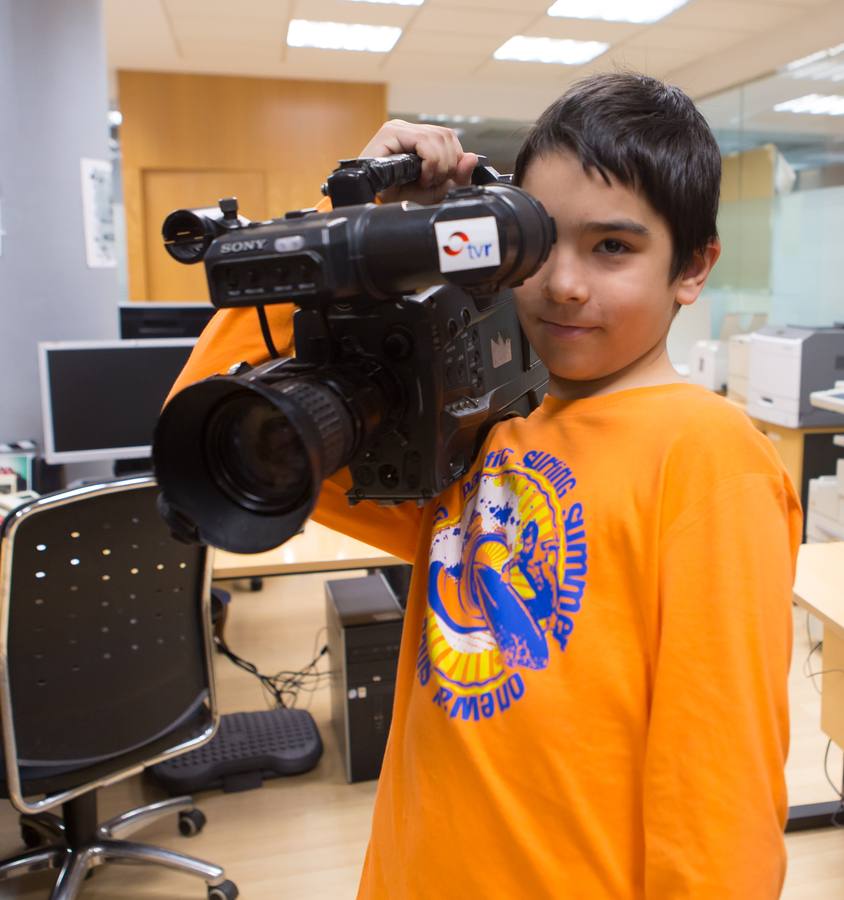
[591, 699]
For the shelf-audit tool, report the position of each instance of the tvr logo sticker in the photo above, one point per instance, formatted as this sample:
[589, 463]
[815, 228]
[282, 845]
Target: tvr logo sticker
[468, 244]
[459, 241]
[456, 242]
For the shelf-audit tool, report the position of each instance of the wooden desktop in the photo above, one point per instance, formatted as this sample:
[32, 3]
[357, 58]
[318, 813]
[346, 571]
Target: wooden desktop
[819, 587]
[806, 452]
[316, 549]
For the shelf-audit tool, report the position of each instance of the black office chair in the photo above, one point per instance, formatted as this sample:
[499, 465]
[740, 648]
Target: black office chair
[105, 668]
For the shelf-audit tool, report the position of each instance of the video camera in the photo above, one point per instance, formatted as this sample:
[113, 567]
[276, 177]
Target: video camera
[408, 349]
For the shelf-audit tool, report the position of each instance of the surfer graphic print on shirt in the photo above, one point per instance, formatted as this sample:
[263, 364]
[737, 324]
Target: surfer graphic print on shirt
[507, 573]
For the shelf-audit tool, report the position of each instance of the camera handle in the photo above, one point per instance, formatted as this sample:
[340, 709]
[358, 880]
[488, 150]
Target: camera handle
[357, 181]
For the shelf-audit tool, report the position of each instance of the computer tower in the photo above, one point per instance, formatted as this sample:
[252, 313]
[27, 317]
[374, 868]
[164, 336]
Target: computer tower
[364, 622]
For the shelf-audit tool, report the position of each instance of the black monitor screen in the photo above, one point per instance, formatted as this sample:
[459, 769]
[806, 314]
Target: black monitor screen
[142, 321]
[102, 401]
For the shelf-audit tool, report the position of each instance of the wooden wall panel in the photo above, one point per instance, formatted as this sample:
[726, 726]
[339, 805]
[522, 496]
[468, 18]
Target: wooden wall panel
[167, 279]
[291, 132]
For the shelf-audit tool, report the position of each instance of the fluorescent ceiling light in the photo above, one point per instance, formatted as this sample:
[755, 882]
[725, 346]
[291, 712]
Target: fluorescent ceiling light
[339, 36]
[825, 65]
[814, 104]
[549, 50]
[616, 10]
[446, 117]
[394, 2]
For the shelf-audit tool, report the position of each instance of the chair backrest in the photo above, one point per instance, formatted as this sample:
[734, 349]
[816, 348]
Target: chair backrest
[104, 635]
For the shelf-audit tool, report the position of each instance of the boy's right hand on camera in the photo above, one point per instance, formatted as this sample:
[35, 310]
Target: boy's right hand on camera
[445, 164]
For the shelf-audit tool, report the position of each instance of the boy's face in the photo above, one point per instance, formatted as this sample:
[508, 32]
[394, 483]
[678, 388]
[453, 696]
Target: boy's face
[600, 308]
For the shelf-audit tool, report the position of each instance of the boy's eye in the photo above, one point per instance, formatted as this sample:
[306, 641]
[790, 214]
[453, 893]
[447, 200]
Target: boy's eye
[611, 246]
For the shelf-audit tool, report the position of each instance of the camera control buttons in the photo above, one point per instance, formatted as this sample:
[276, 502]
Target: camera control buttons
[398, 345]
[364, 475]
[289, 244]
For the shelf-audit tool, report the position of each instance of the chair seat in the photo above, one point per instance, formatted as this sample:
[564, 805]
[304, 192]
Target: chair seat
[50, 779]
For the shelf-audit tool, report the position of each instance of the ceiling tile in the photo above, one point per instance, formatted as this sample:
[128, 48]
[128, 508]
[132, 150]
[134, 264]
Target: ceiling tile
[223, 27]
[246, 9]
[583, 29]
[535, 6]
[352, 13]
[469, 21]
[733, 15]
[698, 41]
[650, 61]
[133, 29]
[477, 97]
[447, 42]
[527, 73]
[423, 64]
[444, 57]
[343, 65]
[196, 48]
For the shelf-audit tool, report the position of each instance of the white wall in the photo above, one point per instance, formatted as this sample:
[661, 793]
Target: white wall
[53, 107]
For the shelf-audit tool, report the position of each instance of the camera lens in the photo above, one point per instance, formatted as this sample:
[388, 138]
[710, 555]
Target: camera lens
[257, 456]
[244, 458]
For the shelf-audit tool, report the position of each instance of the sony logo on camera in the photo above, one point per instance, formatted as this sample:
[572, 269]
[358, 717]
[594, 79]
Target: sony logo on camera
[240, 246]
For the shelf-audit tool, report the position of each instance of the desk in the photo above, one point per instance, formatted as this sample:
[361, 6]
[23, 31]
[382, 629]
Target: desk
[819, 587]
[806, 452]
[316, 549]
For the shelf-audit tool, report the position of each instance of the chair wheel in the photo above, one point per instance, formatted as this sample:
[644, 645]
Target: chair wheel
[225, 891]
[31, 837]
[191, 822]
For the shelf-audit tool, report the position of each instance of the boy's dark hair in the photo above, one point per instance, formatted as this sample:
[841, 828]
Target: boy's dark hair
[650, 136]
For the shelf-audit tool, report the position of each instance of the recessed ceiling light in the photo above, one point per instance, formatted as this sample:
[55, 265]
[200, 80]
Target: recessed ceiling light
[814, 104]
[825, 65]
[340, 36]
[639, 11]
[549, 50]
[393, 2]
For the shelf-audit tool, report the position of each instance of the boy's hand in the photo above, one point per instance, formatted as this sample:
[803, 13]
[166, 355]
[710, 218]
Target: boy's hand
[444, 163]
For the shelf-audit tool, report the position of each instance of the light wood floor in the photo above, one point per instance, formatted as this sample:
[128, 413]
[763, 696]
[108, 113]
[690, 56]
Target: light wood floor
[304, 838]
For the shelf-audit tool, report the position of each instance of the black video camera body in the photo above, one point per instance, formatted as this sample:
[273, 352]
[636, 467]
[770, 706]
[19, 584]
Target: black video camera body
[408, 349]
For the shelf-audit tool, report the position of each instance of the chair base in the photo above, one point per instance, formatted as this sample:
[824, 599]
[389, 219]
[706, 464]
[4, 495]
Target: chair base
[75, 862]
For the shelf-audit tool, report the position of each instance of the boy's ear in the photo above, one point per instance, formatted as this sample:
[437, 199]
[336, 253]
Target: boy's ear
[691, 281]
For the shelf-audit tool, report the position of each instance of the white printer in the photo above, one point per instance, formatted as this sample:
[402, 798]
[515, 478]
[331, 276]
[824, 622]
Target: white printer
[738, 367]
[788, 363]
[708, 365]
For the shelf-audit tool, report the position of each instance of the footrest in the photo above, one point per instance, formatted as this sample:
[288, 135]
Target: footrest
[247, 748]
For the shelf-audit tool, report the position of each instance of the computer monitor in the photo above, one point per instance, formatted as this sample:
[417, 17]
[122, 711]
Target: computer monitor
[145, 321]
[100, 400]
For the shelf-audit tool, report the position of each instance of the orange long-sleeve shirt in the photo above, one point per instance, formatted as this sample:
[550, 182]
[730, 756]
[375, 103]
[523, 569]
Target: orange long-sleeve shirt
[592, 692]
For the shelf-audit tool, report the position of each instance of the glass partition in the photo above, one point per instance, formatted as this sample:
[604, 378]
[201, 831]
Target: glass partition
[782, 202]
